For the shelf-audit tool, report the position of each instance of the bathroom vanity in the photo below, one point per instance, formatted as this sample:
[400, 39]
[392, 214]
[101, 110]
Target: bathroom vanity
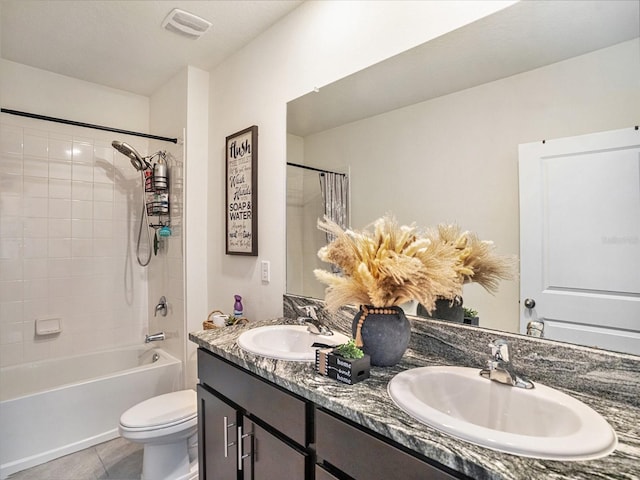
[279, 419]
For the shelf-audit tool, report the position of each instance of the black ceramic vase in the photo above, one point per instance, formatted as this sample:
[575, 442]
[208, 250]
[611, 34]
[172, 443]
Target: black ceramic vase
[446, 309]
[384, 332]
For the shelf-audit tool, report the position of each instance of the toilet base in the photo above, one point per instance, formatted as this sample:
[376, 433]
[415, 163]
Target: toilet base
[168, 462]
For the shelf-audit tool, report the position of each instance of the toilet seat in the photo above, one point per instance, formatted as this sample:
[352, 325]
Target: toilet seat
[164, 411]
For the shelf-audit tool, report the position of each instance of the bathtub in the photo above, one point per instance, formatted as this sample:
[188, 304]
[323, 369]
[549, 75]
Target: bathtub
[52, 408]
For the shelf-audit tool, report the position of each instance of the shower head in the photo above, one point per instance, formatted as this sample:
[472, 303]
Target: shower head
[127, 150]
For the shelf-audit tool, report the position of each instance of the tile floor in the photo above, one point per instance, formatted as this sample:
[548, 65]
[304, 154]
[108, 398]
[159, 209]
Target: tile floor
[116, 459]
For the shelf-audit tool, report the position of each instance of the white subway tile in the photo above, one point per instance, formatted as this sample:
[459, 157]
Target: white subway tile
[59, 208]
[60, 149]
[10, 184]
[11, 355]
[11, 269]
[81, 228]
[82, 153]
[36, 207]
[36, 228]
[11, 291]
[59, 267]
[11, 311]
[11, 248]
[59, 228]
[60, 169]
[10, 140]
[10, 333]
[35, 308]
[82, 266]
[35, 167]
[82, 210]
[82, 191]
[103, 192]
[36, 187]
[102, 228]
[12, 227]
[59, 188]
[82, 172]
[35, 248]
[103, 210]
[35, 268]
[36, 146]
[11, 164]
[81, 247]
[11, 205]
[37, 289]
[59, 248]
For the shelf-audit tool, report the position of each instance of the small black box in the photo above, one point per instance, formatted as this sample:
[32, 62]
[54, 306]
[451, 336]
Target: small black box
[345, 370]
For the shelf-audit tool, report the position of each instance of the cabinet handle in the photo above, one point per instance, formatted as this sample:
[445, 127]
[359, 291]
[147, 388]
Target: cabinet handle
[242, 456]
[226, 427]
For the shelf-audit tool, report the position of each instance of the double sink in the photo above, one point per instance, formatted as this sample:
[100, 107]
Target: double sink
[540, 422]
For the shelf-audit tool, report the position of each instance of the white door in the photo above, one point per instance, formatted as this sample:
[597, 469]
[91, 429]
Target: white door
[580, 238]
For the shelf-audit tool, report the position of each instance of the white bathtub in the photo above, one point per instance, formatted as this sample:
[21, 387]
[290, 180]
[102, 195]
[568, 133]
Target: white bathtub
[53, 408]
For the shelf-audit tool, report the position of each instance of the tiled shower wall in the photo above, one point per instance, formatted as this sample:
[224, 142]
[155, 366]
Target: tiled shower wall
[69, 212]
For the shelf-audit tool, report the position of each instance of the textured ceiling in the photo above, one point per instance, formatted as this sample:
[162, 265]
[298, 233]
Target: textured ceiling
[121, 44]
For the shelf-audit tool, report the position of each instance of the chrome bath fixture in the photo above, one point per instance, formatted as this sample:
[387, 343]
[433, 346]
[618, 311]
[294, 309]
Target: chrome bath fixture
[154, 337]
[161, 307]
[314, 325]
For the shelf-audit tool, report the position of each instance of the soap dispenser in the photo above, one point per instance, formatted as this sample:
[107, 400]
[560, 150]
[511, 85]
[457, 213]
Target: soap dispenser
[237, 307]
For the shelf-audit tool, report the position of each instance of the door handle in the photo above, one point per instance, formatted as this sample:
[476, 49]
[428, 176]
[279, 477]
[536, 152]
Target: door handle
[529, 303]
[241, 455]
[226, 427]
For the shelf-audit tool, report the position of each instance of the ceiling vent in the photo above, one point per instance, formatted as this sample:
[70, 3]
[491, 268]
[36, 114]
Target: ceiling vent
[186, 24]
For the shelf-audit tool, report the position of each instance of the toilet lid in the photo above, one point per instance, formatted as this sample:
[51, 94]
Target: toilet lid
[161, 410]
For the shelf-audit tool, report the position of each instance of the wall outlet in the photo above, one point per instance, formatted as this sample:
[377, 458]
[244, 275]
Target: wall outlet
[265, 271]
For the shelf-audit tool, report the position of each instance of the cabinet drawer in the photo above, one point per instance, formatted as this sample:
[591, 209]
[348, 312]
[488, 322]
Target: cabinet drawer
[363, 456]
[279, 409]
[322, 474]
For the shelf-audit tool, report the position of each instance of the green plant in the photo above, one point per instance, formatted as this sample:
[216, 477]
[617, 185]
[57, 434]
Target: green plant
[470, 312]
[349, 350]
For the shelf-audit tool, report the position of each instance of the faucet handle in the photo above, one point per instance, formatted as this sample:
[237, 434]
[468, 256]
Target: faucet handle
[310, 311]
[500, 350]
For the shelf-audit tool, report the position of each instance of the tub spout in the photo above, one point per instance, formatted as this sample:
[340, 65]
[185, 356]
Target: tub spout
[154, 337]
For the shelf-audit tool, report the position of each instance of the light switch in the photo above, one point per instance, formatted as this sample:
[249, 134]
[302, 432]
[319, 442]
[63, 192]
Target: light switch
[265, 271]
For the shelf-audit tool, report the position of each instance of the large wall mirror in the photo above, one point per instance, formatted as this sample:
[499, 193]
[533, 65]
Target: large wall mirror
[431, 135]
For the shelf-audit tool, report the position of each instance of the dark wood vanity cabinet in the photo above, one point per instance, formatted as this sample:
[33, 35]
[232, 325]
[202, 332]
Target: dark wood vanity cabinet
[251, 429]
[358, 454]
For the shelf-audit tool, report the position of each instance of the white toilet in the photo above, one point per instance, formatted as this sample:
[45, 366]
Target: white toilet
[167, 426]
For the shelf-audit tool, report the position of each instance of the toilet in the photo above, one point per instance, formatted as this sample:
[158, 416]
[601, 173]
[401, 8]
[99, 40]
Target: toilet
[167, 426]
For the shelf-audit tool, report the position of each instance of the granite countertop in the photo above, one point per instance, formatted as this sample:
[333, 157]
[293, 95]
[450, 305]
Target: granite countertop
[368, 404]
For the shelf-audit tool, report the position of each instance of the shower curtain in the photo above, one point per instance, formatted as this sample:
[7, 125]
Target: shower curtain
[335, 197]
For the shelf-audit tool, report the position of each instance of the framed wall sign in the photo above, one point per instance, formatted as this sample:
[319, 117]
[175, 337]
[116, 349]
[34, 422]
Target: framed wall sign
[241, 168]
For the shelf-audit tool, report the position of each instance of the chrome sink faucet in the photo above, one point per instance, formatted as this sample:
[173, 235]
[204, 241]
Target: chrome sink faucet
[314, 325]
[499, 368]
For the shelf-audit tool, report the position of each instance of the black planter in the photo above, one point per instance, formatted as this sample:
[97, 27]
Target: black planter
[385, 334]
[446, 309]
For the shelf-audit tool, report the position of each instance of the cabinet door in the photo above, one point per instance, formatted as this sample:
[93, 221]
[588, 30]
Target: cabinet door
[270, 458]
[217, 438]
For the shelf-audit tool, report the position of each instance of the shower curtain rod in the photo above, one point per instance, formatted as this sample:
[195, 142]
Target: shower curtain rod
[87, 125]
[314, 169]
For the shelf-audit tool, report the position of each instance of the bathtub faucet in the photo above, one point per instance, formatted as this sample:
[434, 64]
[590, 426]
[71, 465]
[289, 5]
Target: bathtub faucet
[154, 337]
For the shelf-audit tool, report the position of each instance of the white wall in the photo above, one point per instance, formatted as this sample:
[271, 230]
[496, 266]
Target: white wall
[316, 44]
[69, 207]
[455, 159]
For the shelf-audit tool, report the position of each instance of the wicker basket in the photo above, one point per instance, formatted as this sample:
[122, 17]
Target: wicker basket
[209, 325]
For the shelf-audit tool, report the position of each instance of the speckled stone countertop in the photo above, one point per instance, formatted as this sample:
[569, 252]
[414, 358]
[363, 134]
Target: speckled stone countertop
[608, 382]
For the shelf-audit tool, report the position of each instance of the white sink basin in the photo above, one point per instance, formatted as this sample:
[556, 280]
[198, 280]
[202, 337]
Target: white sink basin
[540, 423]
[286, 342]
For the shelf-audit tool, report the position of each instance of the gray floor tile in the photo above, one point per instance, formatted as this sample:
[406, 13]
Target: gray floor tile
[117, 459]
[82, 465]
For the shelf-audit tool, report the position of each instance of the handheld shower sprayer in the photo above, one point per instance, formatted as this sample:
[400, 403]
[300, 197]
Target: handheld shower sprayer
[127, 150]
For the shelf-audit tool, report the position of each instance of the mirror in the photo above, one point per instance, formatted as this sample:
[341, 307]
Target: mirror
[431, 135]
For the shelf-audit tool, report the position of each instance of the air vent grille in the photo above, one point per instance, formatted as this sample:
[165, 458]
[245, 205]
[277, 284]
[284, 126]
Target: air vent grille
[186, 24]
